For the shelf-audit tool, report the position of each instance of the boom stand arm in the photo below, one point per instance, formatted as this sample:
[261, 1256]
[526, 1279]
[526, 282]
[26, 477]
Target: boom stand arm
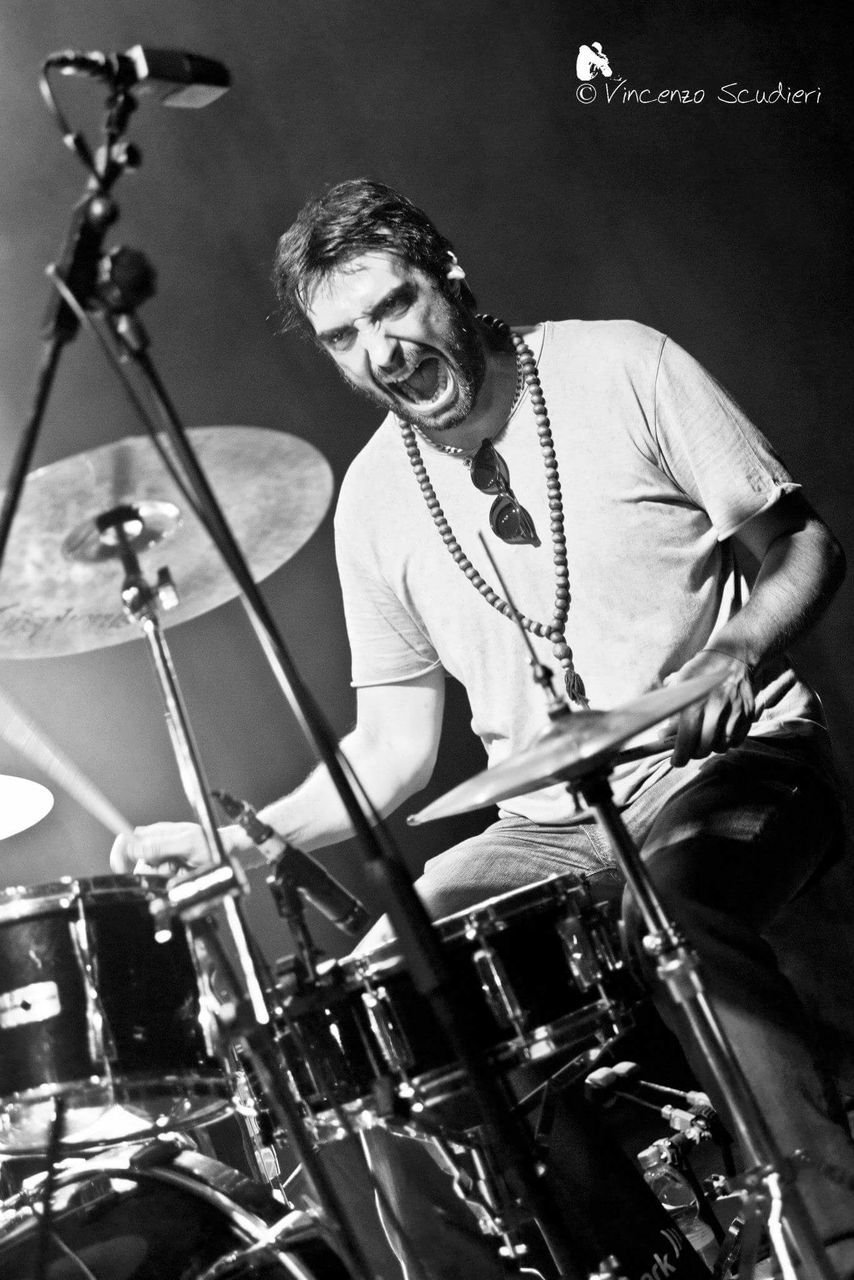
[677, 967]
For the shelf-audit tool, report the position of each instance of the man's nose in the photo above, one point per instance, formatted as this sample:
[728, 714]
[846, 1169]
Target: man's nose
[383, 349]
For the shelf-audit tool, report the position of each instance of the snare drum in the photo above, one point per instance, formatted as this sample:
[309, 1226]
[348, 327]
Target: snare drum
[120, 1218]
[98, 1011]
[539, 971]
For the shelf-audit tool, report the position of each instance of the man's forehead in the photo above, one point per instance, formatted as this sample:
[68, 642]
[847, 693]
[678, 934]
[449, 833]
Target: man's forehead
[354, 286]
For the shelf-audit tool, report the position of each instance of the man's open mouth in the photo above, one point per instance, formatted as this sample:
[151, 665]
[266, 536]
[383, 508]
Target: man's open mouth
[428, 386]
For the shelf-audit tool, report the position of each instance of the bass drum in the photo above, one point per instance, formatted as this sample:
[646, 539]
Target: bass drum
[185, 1217]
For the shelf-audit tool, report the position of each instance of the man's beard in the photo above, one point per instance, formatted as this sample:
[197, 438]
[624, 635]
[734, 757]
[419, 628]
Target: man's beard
[463, 352]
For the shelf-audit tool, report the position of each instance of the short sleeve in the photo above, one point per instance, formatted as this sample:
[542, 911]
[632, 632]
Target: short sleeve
[387, 644]
[710, 448]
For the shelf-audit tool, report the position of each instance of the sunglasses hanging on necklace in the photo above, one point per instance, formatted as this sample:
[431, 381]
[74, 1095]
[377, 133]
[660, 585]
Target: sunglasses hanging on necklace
[508, 518]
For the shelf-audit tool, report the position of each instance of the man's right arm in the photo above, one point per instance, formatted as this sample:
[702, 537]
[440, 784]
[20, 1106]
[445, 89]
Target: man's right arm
[392, 751]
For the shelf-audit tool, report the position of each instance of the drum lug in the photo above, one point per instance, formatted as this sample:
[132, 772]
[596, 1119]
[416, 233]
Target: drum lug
[497, 990]
[391, 1101]
[100, 1043]
[214, 1013]
[292, 978]
[389, 1036]
[611, 957]
[580, 952]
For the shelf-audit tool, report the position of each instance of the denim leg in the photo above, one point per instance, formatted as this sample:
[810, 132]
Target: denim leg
[507, 855]
[726, 852]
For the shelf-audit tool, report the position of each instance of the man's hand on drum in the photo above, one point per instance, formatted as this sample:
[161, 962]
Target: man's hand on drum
[169, 848]
[723, 718]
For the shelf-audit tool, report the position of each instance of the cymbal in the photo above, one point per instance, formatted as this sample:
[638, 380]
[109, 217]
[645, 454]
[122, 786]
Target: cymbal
[579, 744]
[22, 804]
[60, 595]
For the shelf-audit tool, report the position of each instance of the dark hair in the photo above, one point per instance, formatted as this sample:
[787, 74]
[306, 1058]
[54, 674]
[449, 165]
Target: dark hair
[352, 218]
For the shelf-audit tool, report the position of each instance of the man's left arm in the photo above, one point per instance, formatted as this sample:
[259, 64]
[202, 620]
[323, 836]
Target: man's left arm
[801, 566]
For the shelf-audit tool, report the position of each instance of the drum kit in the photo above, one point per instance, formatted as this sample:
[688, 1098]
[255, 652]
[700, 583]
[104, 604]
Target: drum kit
[114, 1045]
[136, 1010]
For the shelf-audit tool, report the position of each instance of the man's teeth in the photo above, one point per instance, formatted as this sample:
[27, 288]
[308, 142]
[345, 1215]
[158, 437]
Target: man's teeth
[425, 385]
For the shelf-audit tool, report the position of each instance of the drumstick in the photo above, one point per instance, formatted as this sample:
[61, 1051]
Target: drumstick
[21, 732]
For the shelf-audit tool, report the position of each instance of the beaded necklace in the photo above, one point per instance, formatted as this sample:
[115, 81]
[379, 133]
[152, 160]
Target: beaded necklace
[554, 631]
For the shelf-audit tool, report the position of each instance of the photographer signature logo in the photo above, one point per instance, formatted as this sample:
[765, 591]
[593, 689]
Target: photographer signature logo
[592, 62]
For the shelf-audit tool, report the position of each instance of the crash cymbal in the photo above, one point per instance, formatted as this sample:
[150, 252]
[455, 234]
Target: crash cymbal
[22, 804]
[60, 587]
[570, 748]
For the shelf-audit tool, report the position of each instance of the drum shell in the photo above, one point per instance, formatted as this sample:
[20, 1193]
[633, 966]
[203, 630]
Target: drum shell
[95, 1009]
[335, 1039]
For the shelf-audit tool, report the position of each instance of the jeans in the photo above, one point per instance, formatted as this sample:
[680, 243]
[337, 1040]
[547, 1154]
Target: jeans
[728, 841]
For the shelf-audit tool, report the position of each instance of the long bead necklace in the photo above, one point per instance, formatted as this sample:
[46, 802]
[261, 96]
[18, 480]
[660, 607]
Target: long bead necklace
[555, 631]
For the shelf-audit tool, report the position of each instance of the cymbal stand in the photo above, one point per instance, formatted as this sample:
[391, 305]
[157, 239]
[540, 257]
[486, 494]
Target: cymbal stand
[193, 898]
[771, 1180]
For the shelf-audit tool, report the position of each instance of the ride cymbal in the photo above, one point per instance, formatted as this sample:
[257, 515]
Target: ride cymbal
[578, 744]
[60, 590]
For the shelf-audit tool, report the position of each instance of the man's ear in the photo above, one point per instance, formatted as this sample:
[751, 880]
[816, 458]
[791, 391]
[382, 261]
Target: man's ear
[455, 271]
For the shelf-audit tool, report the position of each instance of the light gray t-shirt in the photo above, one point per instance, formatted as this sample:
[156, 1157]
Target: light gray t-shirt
[658, 468]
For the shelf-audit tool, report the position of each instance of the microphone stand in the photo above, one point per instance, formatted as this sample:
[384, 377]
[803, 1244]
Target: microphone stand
[77, 268]
[219, 884]
[75, 280]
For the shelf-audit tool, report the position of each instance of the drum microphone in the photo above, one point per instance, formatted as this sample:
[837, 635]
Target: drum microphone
[312, 880]
[175, 78]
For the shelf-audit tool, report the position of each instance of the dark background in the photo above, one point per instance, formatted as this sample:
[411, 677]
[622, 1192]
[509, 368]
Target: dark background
[724, 225]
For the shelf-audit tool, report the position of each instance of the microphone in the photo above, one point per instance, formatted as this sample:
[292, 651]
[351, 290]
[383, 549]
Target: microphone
[312, 880]
[175, 78]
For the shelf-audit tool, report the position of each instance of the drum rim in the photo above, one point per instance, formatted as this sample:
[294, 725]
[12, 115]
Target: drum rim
[19, 902]
[250, 1228]
[555, 890]
[213, 1089]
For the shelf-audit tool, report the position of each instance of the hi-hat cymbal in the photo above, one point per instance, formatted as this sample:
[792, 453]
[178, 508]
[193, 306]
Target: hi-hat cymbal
[22, 804]
[577, 745]
[59, 595]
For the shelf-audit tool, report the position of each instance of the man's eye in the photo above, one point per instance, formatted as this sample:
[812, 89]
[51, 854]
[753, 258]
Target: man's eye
[339, 341]
[397, 305]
